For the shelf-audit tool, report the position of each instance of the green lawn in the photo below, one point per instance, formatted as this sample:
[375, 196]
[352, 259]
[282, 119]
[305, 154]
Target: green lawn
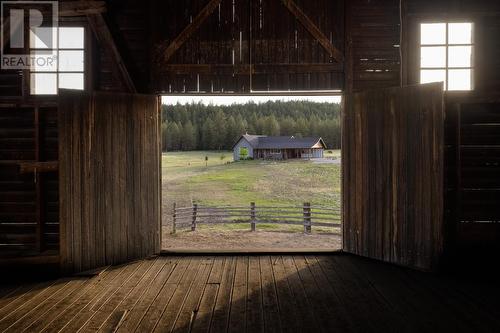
[187, 177]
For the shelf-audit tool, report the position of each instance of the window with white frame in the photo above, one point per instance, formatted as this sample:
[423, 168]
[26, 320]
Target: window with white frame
[446, 54]
[61, 67]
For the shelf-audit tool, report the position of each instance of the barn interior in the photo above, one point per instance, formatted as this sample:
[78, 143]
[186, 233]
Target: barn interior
[80, 196]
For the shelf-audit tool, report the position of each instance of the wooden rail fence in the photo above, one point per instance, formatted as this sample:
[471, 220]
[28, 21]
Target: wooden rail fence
[306, 215]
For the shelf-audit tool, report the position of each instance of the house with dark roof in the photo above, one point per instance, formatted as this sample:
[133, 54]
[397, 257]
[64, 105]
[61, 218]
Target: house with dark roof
[277, 147]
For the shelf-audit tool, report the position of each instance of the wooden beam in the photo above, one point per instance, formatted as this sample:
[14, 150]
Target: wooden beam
[228, 69]
[80, 8]
[39, 167]
[105, 39]
[190, 29]
[313, 30]
[39, 186]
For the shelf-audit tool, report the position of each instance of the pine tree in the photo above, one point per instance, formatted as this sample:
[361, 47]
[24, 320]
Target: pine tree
[164, 136]
[188, 137]
[199, 126]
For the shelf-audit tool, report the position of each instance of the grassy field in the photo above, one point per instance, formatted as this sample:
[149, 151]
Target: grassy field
[187, 177]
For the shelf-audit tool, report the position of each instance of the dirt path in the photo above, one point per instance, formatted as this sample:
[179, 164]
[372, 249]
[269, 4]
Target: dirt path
[210, 239]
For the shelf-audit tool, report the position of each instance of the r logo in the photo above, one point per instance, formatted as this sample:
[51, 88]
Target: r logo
[25, 25]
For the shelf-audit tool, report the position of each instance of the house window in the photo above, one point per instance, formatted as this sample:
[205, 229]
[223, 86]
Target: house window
[62, 67]
[446, 54]
[243, 152]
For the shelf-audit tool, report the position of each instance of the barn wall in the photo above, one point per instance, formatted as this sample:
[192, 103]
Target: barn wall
[281, 51]
[130, 26]
[29, 221]
[373, 38]
[109, 152]
[471, 165]
[392, 173]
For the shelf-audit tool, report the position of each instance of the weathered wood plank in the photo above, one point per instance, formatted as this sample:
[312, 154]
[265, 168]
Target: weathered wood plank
[190, 29]
[289, 315]
[270, 306]
[122, 311]
[28, 293]
[106, 40]
[133, 318]
[96, 290]
[302, 304]
[313, 30]
[204, 315]
[94, 301]
[27, 321]
[229, 69]
[373, 297]
[10, 318]
[108, 210]
[81, 8]
[156, 309]
[237, 316]
[393, 175]
[190, 309]
[254, 311]
[167, 320]
[220, 318]
[71, 300]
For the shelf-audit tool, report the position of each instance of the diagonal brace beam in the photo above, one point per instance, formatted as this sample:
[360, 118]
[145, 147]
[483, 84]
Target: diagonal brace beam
[313, 30]
[80, 8]
[105, 39]
[190, 29]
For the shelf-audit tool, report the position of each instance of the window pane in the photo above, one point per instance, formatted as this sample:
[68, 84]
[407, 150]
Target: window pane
[71, 38]
[433, 75]
[71, 81]
[460, 79]
[433, 33]
[71, 61]
[459, 56]
[460, 33]
[433, 56]
[44, 61]
[43, 38]
[43, 84]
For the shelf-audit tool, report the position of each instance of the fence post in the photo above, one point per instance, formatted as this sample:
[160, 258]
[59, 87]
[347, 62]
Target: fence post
[175, 218]
[195, 212]
[307, 217]
[252, 216]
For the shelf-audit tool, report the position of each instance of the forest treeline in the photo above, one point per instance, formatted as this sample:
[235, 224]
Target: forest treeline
[217, 127]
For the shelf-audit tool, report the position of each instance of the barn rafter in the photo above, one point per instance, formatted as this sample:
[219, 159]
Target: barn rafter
[105, 38]
[246, 69]
[313, 30]
[190, 29]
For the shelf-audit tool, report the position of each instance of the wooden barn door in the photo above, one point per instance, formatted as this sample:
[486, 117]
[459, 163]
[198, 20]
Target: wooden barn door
[109, 157]
[392, 151]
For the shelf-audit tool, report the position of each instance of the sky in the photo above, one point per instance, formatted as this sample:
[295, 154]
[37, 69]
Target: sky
[228, 100]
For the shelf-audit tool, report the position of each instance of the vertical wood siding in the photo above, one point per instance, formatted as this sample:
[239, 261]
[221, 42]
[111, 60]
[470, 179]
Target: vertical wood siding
[29, 221]
[392, 148]
[373, 38]
[263, 34]
[109, 178]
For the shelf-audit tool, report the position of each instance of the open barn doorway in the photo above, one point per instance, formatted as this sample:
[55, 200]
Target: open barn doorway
[251, 172]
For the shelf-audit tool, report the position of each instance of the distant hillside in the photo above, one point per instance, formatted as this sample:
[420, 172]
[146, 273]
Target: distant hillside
[213, 127]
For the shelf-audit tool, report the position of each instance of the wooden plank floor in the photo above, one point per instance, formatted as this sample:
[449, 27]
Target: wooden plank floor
[303, 293]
